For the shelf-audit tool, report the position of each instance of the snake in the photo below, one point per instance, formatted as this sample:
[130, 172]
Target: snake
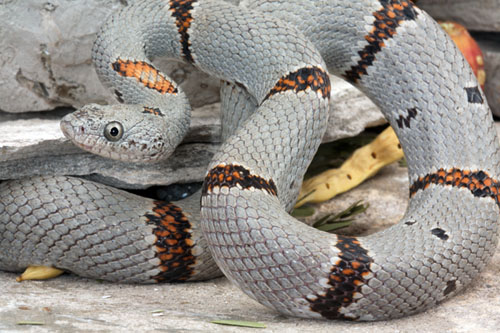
[274, 58]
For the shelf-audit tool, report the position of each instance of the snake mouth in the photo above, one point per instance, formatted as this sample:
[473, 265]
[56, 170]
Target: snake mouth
[67, 129]
[73, 135]
[88, 148]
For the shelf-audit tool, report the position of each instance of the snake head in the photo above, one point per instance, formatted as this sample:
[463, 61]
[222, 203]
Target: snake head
[120, 132]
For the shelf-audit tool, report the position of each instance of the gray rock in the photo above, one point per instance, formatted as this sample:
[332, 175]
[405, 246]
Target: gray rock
[45, 53]
[490, 45]
[45, 56]
[386, 194]
[350, 112]
[479, 15]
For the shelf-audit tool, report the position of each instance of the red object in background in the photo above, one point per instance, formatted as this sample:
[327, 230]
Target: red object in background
[468, 46]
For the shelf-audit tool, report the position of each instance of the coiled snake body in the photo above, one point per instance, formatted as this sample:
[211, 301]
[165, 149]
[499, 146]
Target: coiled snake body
[278, 92]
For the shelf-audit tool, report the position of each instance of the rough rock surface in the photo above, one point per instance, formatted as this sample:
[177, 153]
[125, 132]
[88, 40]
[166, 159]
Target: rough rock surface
[69, 303]
[478, 15]
[45, 56]
[490, 45]
[33, 144]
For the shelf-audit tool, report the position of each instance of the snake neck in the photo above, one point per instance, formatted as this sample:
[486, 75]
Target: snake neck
[123, 54]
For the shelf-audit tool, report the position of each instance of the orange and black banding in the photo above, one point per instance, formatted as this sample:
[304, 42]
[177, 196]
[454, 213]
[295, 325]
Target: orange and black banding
[181, 10]
[405, 121]
[474, 95]
[173, 242]
[387, 19]
[313, 78]
[479, 183]
[236, 175]
[346, 278]
[153, 111]
[146, 74]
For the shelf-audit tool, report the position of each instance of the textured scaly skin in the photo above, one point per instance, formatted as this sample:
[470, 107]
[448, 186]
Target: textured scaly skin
[99, 232]
[407, 65]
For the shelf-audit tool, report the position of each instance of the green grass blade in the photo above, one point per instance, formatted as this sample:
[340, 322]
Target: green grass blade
[306, 195]
[240, 323]
[335, 226]
[36, 323]
[304, 211]
[340, 220]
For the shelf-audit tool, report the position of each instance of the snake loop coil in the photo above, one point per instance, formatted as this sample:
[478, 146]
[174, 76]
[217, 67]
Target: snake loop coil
[275, 56]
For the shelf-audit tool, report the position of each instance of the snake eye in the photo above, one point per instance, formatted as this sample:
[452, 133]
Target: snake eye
[113, 131]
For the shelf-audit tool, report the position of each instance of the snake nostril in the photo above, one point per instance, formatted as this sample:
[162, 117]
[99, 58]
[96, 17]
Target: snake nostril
[82, 129]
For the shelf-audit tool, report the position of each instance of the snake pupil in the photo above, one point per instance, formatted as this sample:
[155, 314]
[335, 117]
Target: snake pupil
[113, 131]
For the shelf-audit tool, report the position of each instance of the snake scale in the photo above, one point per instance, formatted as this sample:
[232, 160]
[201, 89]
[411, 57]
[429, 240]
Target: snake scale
[274, 56]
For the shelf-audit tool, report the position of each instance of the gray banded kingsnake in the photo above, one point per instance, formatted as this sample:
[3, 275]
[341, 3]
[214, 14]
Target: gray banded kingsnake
[273, 56]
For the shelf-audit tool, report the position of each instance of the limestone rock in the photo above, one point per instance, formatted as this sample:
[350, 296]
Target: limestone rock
[45, 56]
[350, 112]
[490, 45]
[478, 15]
[386, 194]
[42, 64]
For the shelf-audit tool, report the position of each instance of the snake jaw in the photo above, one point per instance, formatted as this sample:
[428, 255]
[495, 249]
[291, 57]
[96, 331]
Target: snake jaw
[67, 129]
